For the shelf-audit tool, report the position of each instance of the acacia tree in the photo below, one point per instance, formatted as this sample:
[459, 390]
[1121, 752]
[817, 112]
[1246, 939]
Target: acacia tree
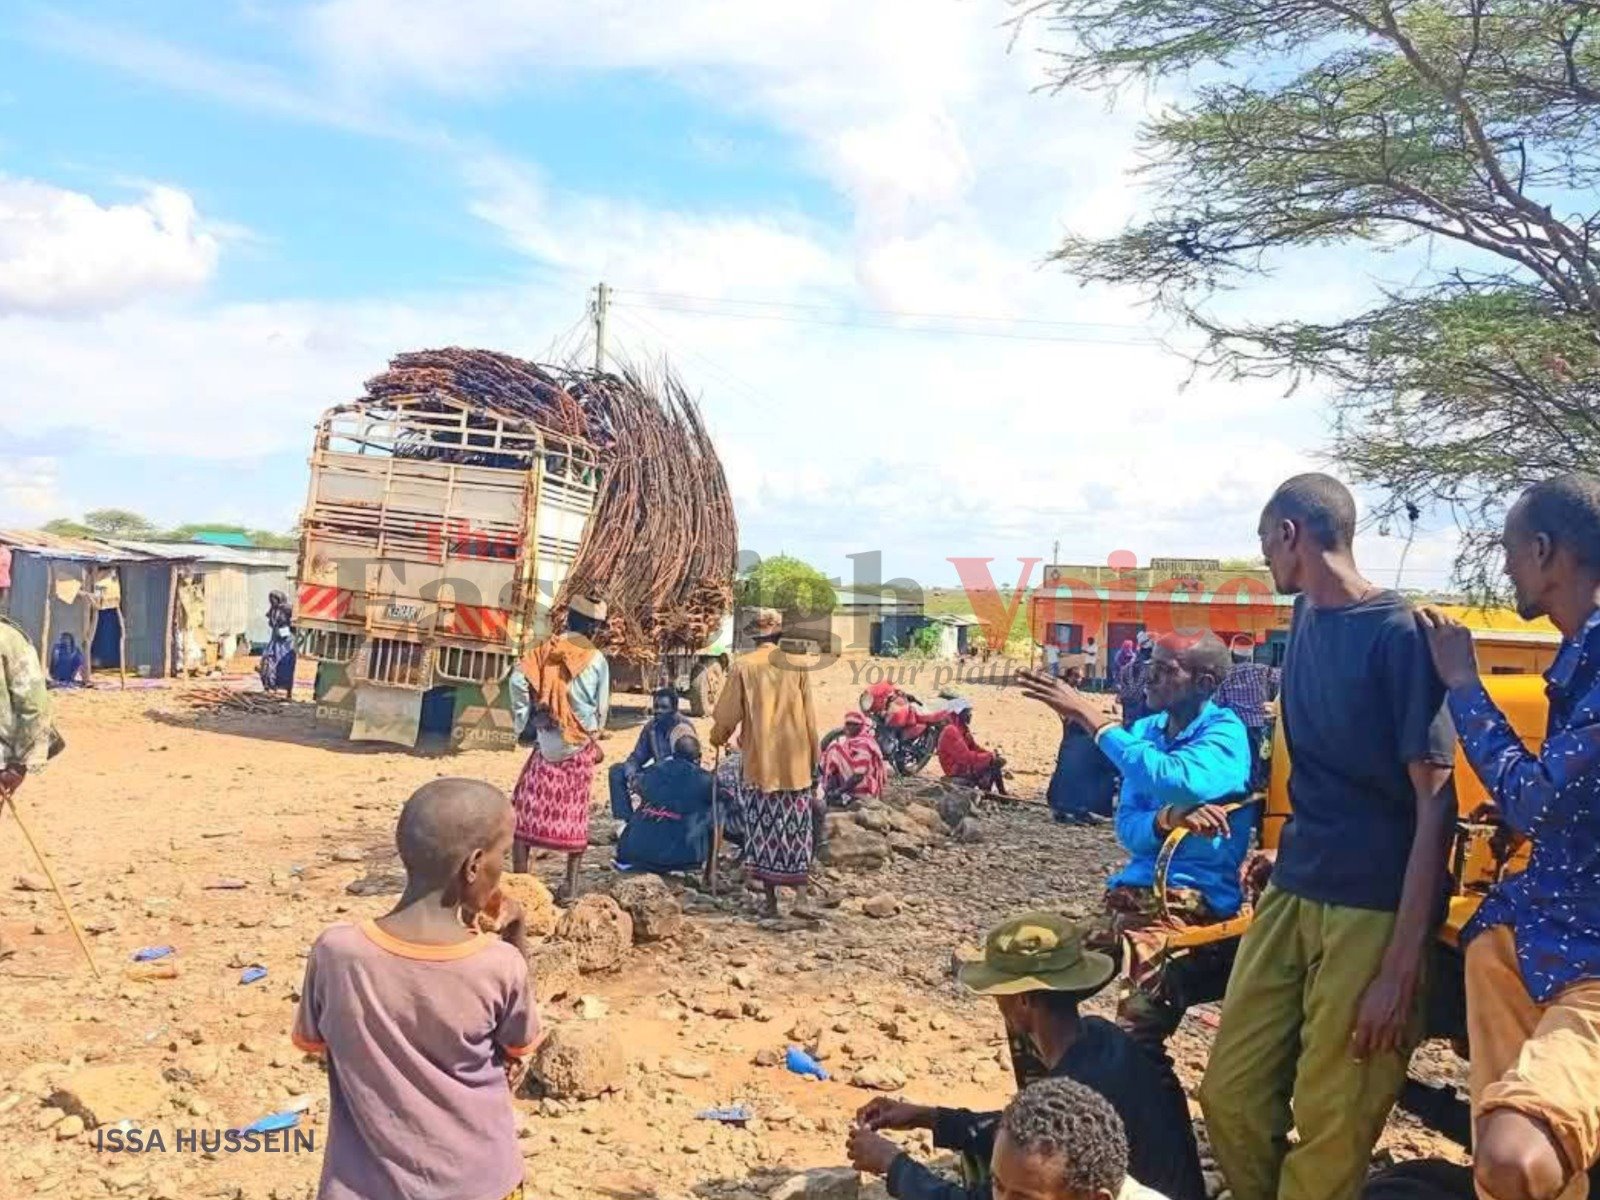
[1309, 123]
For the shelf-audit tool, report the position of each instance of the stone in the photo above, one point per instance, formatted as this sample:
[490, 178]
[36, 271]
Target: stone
[882, 906]
[591, 1008]
[686, 1068]
[349, 854]
[906, 847]
[48, 1118]
[100, 924]
[598, 929]
[378, 883]
[552, 971]
[969, 832]
[955, 804]
[579, 1063]
[852, 848]
[767, 1057]
[805, 1033]
[540, 915]
[32, 883]
[69, 1127]
[824, 1183]
[926, 816]
[107, 1093]
[877, 1077]
[657, 915]
[876, 820]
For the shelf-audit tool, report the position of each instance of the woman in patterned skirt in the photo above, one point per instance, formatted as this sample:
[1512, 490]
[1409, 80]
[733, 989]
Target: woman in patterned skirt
[767, 701]
[562, 689]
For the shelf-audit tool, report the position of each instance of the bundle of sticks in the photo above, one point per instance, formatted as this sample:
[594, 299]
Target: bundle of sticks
[660, 549]
[219, 699]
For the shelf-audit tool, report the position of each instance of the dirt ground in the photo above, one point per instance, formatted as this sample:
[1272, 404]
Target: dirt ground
[233, 836]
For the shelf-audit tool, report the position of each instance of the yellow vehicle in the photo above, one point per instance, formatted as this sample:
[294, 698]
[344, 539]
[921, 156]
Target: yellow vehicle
[1474, 864]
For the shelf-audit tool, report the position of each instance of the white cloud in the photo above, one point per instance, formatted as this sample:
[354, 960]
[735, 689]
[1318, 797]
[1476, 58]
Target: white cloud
[63, 252]
[30, 489]
[959, 180]
[595, 237]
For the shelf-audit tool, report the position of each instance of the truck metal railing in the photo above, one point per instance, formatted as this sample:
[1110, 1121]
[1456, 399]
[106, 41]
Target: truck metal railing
[457, 664]
[329, 645]
[391, 663]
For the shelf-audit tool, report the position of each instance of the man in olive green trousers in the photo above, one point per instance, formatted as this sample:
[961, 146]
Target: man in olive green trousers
[1325, 1000]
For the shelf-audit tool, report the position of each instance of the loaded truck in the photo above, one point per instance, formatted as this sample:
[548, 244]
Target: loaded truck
[452, 509]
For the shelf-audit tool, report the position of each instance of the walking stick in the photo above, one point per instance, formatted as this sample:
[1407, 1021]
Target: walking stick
[716, 822]
[10, 798]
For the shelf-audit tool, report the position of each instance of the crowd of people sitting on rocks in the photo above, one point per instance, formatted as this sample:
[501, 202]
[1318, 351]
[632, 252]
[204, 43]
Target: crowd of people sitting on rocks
[422, 1013]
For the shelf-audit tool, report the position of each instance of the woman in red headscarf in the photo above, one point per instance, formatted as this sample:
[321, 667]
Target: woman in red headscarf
[852, 765]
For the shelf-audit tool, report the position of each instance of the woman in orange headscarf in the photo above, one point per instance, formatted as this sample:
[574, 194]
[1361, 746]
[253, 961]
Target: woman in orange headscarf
[567, 699]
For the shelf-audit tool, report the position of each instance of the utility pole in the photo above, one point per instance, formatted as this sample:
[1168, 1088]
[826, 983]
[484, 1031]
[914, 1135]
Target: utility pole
[598, 309]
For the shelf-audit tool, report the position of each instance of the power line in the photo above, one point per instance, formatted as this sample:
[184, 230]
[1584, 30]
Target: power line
[652, 297]
[893, 328]
[749, 390]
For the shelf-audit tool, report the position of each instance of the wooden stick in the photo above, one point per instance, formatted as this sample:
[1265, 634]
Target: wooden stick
[716, 823]
[11, 799]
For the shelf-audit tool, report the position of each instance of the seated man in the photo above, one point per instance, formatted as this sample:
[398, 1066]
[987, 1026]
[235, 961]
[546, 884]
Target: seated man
[961, 756]
[852, 764]
[671, 829]
[1056, 1140]
[660, 733]
[1533, 947]
[1038, 970]
[1178, 766]
[1084, 784]
[899, 709]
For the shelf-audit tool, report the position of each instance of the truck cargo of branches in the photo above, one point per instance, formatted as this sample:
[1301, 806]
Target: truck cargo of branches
[456, 506]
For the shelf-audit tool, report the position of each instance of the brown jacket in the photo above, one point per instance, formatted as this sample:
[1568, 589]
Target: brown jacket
[768, 700]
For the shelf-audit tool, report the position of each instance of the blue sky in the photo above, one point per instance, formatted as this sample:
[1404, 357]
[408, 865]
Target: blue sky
[216, 219]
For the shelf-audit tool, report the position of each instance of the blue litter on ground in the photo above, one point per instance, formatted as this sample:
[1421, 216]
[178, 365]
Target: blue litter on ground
[801, 1063]
[151, 953]
[273, 1122]
[736, 1115]
[252, 974]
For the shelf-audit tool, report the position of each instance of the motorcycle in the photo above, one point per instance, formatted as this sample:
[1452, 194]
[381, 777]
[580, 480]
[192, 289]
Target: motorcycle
[906, 749]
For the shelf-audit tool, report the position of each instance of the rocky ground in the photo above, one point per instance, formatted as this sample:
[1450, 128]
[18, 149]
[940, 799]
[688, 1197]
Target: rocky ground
[234, 837]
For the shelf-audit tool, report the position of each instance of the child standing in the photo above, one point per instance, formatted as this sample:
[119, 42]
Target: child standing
[417, 1013]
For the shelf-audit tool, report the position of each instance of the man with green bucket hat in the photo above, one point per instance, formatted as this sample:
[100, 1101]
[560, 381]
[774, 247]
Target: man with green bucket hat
[1039, 970]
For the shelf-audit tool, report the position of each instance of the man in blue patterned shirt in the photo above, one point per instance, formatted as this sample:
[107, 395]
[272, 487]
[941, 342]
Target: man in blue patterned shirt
[1533, 949]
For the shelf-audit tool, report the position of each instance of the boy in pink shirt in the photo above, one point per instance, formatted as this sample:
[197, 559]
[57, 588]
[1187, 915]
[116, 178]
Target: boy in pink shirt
[418, 1013]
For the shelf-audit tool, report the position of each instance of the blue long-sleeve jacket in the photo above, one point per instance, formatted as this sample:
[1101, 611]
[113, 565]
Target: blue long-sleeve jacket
[1207, 763]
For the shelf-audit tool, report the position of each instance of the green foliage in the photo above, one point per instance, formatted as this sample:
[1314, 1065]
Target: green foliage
[118, 523]
[1470, 125]
[925, 641]
[64, 527]
[788, 584]
[265, 539]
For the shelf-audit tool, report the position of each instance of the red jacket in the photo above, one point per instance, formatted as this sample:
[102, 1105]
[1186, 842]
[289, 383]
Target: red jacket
[959, 754]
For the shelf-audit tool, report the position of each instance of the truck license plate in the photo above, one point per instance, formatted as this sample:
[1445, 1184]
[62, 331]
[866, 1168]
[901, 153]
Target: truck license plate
[405, 612]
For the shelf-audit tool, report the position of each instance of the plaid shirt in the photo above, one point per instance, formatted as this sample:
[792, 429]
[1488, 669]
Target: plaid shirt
[1246, 690]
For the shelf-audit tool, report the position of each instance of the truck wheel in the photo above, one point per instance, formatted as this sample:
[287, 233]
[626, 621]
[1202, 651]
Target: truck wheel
[705, 686]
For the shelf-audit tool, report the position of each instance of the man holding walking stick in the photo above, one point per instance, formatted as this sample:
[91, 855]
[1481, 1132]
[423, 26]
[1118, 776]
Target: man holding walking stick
[24, 719]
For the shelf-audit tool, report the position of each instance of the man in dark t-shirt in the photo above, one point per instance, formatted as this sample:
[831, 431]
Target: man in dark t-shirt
[1325, 1001]
[1037, 968]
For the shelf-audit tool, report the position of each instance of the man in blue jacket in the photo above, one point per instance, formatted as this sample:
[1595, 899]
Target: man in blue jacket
[1180, 768]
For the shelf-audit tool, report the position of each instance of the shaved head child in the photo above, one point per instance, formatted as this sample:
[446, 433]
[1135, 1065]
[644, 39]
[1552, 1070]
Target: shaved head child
[417, 1011]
